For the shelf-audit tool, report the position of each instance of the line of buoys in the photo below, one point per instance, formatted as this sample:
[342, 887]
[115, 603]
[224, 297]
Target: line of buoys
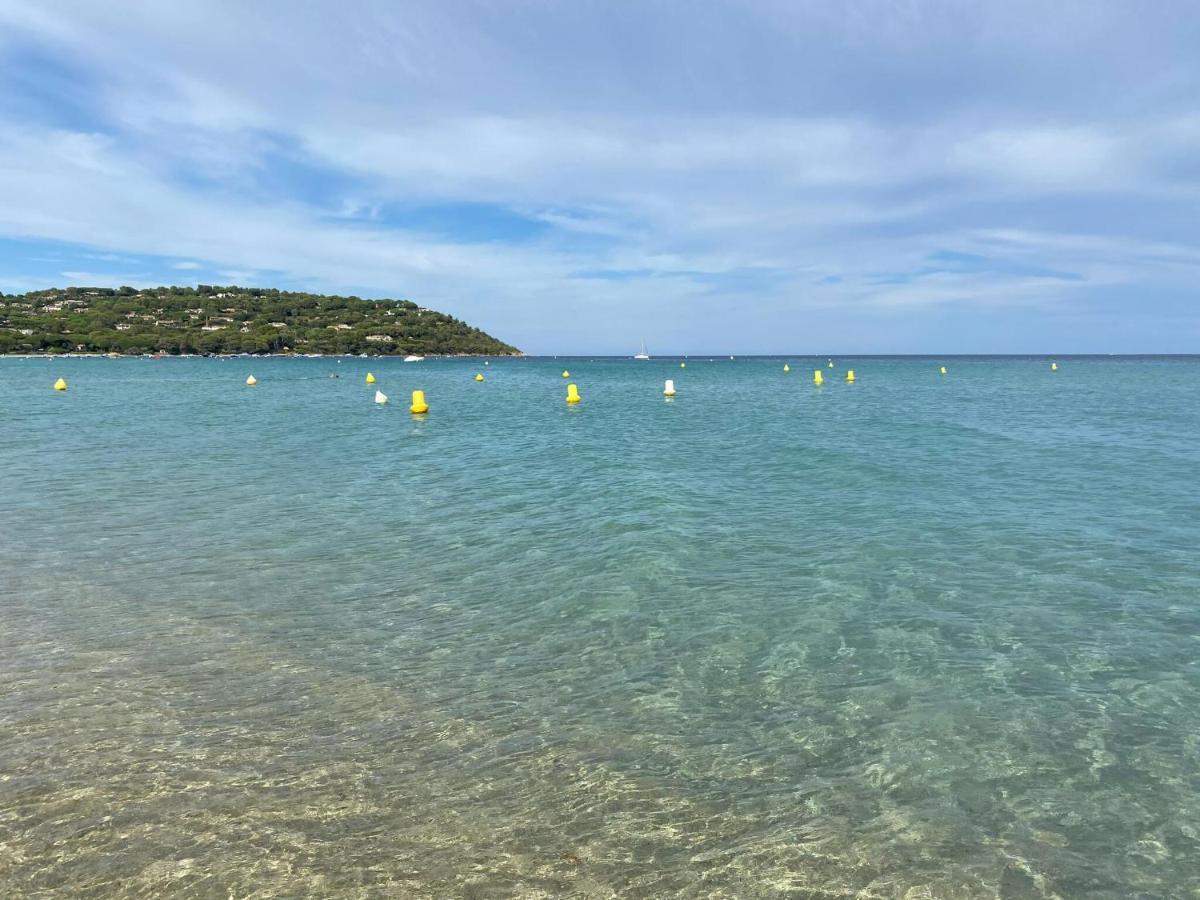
[61, 384]
[419, 406]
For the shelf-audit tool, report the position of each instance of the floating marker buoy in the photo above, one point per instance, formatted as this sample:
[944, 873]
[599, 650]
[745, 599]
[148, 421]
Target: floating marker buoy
[251, 381]
[1053, 367]
[486, 363]
[573, 394]
[831, 364]
[683, 365]
[380, 397]
[669, 388]
[850, 375]
[942, 370]
[479, 376]
[786, 367]
[370, 378]
[566, 374]
[818, 377]
[418, 403]
[60, 385]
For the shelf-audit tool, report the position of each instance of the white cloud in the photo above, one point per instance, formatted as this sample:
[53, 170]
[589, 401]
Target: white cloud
[101, 279]
[1051, 158]
[778, 156]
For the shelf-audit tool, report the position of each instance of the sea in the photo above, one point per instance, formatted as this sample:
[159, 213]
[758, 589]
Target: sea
[918, 635]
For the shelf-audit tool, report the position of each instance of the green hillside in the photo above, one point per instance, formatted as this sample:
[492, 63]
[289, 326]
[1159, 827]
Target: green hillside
[213, 319]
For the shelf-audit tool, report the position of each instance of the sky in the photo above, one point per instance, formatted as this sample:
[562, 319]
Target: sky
[720, 177]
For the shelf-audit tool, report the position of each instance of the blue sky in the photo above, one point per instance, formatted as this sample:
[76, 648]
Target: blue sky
[824, 177]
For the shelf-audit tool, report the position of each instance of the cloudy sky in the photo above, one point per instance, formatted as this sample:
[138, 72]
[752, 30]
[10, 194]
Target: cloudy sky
[826, 177]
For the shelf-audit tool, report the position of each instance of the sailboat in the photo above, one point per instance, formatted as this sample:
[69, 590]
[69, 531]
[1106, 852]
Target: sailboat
[643, 354]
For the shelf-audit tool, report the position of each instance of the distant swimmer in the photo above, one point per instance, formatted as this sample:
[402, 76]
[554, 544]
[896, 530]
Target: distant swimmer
[334, 375]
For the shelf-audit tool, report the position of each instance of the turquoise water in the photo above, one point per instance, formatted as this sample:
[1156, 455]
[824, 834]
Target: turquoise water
[911, 637]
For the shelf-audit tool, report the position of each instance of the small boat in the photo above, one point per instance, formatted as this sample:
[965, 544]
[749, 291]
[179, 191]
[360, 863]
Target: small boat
[413, 358]
[643, 354]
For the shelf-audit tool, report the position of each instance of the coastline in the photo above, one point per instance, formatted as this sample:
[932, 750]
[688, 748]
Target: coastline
[78, 355]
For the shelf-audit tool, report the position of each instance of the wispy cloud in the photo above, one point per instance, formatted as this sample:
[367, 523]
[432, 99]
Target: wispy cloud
[569, 175]
[91, 279]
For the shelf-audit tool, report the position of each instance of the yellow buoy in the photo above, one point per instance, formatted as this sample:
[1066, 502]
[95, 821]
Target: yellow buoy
[1053, 367]
[786, 367]
[850, 375]
[566, 374]
[683, 365]
[669, 388]
[381, 397]
[942, 370]
[60, 385]
[573, 394]
[418, 403]
[479, 376]
[251, 381]
[818, 377]
[370, 378]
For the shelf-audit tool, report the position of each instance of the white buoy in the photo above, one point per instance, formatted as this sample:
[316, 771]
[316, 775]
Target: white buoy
[669, 388]
[380, 397]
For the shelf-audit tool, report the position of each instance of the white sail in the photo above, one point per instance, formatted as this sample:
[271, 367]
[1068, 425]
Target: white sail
[643, 354]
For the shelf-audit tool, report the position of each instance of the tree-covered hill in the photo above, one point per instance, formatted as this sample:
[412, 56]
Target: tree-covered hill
[212, 319]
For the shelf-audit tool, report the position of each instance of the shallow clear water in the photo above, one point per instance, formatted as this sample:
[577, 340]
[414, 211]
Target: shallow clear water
[915, 636]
